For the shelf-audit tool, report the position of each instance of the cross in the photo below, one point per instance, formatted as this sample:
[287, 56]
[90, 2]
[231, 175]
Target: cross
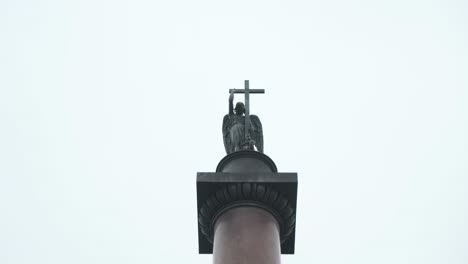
[246, 91]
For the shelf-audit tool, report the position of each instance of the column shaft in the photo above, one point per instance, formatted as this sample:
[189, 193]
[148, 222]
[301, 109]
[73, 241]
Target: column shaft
[246, 235]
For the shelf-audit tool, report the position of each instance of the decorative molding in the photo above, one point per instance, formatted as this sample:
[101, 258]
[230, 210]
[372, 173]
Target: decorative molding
[260, 195]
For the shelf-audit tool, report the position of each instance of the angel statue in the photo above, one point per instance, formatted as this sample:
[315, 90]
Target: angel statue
[241, 130]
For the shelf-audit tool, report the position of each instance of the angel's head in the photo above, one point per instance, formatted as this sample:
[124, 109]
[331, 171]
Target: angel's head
[240, 109]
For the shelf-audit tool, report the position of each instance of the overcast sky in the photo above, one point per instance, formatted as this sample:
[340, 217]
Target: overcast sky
[109, 108]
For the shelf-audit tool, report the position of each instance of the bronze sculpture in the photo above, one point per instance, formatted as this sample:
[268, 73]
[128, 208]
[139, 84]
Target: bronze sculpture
[242, 131]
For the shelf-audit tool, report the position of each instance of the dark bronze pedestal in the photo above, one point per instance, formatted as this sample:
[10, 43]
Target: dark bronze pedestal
[247, 210]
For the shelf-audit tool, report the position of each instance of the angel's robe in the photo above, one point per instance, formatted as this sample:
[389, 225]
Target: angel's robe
[236, 132]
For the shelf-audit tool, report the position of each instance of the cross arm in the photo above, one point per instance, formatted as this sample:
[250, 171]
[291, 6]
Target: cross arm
[260, 91]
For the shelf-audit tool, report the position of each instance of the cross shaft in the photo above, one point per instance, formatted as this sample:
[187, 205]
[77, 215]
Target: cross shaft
[246, 91]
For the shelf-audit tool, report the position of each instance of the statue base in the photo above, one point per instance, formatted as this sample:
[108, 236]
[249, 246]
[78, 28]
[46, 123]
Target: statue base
[246, 179]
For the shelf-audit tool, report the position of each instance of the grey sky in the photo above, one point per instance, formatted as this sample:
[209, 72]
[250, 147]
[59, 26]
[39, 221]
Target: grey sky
[109, 108]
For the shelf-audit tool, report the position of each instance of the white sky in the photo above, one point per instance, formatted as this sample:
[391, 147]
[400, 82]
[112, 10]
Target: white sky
[109, 108]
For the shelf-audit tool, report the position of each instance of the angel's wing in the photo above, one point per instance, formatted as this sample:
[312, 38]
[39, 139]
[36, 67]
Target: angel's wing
[226, 138]
[256, 132]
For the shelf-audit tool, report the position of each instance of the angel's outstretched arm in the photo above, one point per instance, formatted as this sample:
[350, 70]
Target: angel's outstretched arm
[231, 104]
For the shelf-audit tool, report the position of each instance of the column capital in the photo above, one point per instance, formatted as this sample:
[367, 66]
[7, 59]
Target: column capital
[273, 192]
